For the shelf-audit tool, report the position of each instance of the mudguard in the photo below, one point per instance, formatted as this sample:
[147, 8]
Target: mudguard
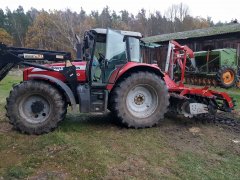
[64, 87]
[132, 67]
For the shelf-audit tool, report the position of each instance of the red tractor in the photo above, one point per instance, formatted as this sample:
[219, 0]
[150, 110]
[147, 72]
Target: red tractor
[108, 75]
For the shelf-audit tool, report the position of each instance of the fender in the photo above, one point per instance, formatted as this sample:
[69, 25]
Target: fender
[142, 66]
[132, 67]
[66, 89]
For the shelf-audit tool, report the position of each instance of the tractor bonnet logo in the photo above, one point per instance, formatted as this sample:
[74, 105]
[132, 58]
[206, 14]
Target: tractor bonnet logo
[33, 56]
[59, 68]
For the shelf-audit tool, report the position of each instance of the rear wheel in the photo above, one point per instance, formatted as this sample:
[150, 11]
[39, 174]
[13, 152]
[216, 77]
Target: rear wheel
[227, 77]
[141, 100]
[35, 107]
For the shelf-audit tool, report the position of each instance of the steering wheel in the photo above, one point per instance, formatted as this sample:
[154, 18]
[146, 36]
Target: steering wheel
[101, 57]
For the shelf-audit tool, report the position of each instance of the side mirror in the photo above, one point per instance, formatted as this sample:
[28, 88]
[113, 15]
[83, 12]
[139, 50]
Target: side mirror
[79, 51]
[87, 57]
[86, 42]
[78, 47]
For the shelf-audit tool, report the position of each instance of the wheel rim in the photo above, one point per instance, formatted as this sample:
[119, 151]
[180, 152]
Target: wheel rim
[34, 108]
[228, 77]
[142, 101]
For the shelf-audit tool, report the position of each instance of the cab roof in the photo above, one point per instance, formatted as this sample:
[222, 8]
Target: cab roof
[126, 33]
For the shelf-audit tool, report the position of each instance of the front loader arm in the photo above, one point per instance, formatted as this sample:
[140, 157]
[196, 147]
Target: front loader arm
[11, 56]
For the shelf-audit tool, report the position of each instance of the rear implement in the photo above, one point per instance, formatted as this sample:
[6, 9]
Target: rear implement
[190, 101]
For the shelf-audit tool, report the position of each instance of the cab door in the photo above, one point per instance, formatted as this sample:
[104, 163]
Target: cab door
[116, 53]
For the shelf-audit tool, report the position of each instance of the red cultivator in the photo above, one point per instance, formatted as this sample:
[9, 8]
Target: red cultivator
[190, 101]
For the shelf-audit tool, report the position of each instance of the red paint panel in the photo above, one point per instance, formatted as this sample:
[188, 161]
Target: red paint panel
[80, 71]
[130, 65]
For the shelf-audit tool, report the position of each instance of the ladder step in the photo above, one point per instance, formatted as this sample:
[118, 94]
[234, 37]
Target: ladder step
[97, 103]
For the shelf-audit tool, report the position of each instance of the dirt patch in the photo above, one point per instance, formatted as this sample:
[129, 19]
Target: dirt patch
[194, 130]
[200, 138]
[51, 151]
[180, 138]
[135, 167]
[50, 170]
[49, 175]
[5, 127]
[131, 167]
[223, 138]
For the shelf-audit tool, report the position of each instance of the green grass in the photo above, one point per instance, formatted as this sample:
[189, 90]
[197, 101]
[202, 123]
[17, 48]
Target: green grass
[6, 84]
[195, 166]
[93, 147]
[233, 92]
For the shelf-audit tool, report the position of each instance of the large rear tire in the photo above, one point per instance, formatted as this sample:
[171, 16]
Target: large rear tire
[35, 107]
[141, 100]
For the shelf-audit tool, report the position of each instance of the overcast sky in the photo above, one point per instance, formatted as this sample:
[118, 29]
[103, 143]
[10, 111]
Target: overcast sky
[219, 10]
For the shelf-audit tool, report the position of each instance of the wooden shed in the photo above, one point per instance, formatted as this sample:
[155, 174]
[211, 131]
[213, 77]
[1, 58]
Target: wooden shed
[226, 36]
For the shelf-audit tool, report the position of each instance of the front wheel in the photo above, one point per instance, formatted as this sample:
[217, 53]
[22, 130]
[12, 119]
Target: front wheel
[35, 107]
[141, 100]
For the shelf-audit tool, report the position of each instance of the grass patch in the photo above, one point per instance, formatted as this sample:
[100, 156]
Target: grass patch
[191, 166]
[18, 172]
[24, 168]
[233, 92]
[195, 166]
[6, 84]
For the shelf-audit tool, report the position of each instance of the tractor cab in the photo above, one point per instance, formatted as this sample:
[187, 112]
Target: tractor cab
[106, 50]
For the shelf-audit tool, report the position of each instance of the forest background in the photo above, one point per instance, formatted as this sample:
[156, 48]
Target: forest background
[56, 29]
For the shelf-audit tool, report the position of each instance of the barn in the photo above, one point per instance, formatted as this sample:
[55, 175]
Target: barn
[226, 36]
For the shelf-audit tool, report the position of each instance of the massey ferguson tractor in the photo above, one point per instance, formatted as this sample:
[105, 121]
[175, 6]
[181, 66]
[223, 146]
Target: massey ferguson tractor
[108, 75]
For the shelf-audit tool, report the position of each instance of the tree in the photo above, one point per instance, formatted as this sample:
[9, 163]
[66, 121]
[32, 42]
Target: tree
[141, 22]
[32, 14]
[66, 24]
[2, 19]
[41, 33]
[17, 24]
[157, 24]
[117, 23]
[176, 15]
[125, 17]
[190, 23]
[105, 19]
[57, 29]
[5, 37]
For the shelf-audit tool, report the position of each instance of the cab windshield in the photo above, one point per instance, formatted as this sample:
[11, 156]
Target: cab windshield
[100, 48]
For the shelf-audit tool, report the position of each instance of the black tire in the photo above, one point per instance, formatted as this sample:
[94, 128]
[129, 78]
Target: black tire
[226, 81]
[35, 107]
[238, 83]
[122, 98]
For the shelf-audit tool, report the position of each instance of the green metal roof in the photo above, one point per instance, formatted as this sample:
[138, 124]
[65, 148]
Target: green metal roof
[150, 45]
[194, 33]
